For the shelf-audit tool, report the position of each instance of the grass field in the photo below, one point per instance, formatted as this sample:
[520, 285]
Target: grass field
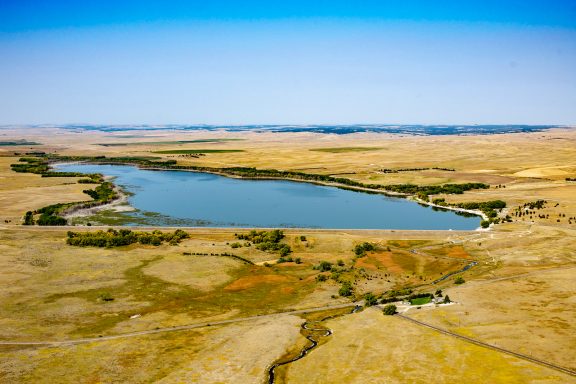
[519, 296]
[206, 141]
[190, 151]
[420, 301]
[345, 149]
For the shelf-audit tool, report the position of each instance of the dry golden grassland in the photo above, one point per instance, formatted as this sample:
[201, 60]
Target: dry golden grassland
[520, 296]
[370, 347]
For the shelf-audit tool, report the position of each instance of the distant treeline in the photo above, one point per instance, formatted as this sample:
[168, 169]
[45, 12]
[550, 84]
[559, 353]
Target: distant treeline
[390, 170]
[17, 143]
[113, 238]
[250, 172]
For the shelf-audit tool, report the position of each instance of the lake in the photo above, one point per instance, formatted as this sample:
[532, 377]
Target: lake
[200, 199]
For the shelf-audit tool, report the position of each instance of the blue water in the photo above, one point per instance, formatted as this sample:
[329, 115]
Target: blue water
[201, 199]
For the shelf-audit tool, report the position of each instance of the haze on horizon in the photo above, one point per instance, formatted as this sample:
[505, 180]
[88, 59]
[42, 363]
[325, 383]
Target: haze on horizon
[324, 62]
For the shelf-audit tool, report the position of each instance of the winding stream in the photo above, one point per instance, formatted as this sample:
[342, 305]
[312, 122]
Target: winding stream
[308, 348]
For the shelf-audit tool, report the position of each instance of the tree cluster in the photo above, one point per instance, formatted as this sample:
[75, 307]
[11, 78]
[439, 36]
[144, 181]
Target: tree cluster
[397, 170]
[113, 238]
[361, 249]
[267, 241]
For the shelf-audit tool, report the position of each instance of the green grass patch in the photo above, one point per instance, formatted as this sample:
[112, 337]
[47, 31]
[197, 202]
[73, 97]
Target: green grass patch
[347, 149]
[168, 142]
[420, 300]
[192, 151]
[17, 142]
[156, 295]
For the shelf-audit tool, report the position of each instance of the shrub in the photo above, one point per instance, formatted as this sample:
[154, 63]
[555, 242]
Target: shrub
[389, 310]
[324, 266]
[459, 280]
[345, 290]
[105, 296]
[370, 299]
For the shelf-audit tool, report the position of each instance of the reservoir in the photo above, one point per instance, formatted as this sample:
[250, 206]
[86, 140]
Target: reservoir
[171, 198]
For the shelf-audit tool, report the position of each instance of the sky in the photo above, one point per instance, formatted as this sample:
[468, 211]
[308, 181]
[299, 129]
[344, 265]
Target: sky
[287, 62]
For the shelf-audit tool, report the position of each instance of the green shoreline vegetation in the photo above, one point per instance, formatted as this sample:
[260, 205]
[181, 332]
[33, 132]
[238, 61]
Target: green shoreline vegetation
[40, 164]
[489, 208]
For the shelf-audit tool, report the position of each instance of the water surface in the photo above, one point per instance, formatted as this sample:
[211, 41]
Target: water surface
[202, 199]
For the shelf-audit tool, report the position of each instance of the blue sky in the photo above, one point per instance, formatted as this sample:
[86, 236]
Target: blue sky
[297, 62]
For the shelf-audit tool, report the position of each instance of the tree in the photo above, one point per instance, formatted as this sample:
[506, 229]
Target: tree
[447, 300]
[370, 299]
[438, 293]
[285, 251]
[29, 218]
[361, 249]
[345, 290]
[389, 310]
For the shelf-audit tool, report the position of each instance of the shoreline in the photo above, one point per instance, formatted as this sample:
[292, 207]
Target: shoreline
[79, 211]
[123, 196]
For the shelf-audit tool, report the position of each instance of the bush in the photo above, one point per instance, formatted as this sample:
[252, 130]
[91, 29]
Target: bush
[321, 278]
[389, 310]
[324, 266]
[459, 280]
[484, 223]
[105, 297]
[345, 290]
[370, 299]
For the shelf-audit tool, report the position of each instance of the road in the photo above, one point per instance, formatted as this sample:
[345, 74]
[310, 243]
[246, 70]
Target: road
[490, 346]
[172, 329]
